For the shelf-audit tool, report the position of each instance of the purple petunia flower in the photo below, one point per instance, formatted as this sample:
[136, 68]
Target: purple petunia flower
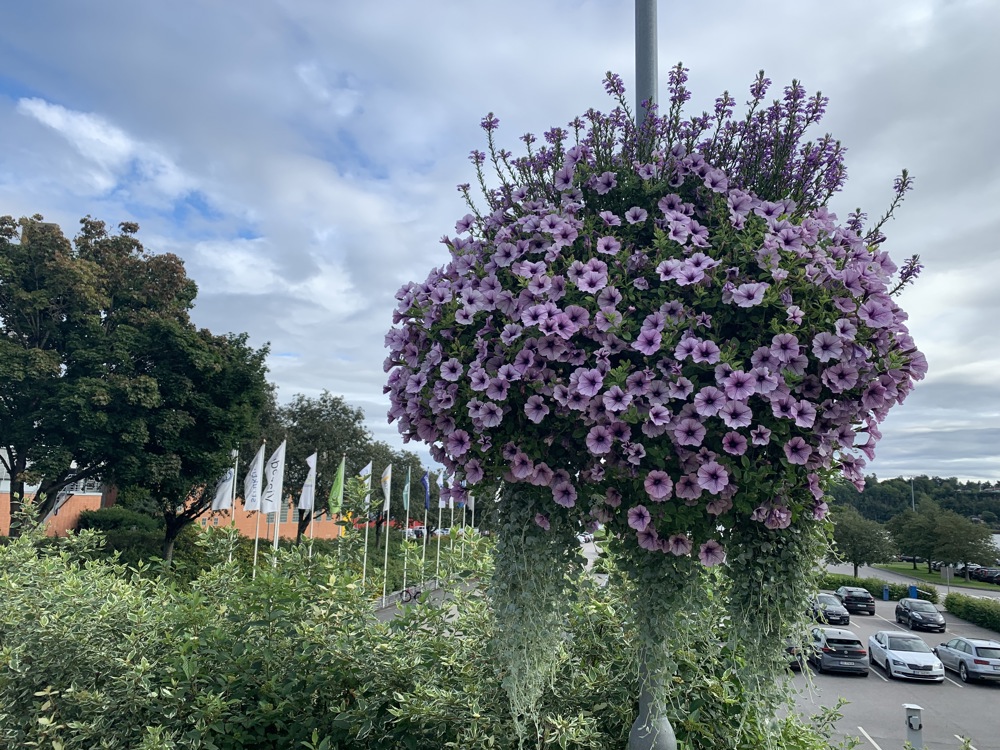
[452, 370]
[639, 517]
[749, 295]
[678, 545]
[636, 215]
[734, 443]
[605, 183]
[739, 385]
[648, 342]
[711, 553]
[497, 389]
[876, 312]
[591, 281]
[797, 451]
[736, 414]
[648, 539]
[587, 382]
[612, 497]
[687, 487]
[713, 477]
[610, 219]
[608, 246]
[706, 352]
[760, 435]
[542, 521]
[521, 465]
[599, 440]
[827, 346]
[658, 485]
[474, 472]
[784, 346]
[564, 494]
[535, 408]
[615, 399]
[689, 432]
[709, 400]
[458, 443]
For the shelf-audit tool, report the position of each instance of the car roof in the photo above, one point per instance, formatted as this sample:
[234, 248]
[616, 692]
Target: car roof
[981, 641]
[901, 634]
[854, 588]
[839, 633]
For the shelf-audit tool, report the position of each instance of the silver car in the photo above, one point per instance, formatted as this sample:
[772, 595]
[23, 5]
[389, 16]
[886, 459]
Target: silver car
[972, 658]
[838, 650]
[904, 655]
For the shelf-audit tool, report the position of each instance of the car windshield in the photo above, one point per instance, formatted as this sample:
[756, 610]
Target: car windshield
[922, 606]
[857, 592]
[988, 652]
[909, 644]
[843, 642]
[828, 599]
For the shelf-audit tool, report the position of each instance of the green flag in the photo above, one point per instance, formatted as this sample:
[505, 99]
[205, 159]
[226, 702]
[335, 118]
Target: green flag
[336, 501]
[406, 492]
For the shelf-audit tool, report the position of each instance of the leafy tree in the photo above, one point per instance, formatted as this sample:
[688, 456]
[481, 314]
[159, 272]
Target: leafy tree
[961, 540]
[914, 532]
[102, 374]
[858, 540]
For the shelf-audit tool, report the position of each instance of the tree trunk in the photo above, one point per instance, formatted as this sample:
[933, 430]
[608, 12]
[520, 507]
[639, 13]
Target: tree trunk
[169, 538]
[17, 466]
[855, 570]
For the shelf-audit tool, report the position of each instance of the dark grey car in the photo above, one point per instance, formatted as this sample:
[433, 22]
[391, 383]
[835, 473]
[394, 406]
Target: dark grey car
[827, 608]
[838, 650]
[972, 658]
[919, 614]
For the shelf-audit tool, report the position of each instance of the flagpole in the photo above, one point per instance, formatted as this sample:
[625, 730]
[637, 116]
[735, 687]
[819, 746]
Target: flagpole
[464, 528]
[232, 499]
[406, 525]
[256, 545]
[437, 569]
[387, 488]
[423, 557]
[451, 539]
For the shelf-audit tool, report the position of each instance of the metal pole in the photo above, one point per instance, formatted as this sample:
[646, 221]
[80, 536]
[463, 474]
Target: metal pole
[913, 502]
[645, 57]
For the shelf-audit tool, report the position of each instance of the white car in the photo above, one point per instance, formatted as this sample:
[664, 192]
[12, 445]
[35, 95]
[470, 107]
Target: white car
[586, 536]
[904, 655]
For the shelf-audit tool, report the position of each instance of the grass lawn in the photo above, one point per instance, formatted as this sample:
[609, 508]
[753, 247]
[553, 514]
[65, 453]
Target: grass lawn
[906, 568]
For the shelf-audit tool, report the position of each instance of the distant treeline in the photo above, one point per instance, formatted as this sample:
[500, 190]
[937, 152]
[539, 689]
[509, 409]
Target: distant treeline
[884, 499]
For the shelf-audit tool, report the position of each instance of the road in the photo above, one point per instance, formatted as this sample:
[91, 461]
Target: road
[942, 587]
[875, 712]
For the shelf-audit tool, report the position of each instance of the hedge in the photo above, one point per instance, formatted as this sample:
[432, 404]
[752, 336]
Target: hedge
[834, 581]
[978, 610]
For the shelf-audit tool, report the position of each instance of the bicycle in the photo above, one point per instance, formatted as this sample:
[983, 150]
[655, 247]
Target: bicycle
[410, 594]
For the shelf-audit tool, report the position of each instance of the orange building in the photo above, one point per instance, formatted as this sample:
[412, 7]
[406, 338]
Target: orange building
[323, 526]
[62, 520]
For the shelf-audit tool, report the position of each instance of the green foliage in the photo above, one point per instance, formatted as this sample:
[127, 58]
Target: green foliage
[115, 518]
[883, 499]
[937, 534]
[859, 541]
[833, 581]
[979, 611]
[96, 655]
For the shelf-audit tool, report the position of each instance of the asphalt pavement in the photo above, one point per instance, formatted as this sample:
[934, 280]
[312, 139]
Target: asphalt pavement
[952, 710]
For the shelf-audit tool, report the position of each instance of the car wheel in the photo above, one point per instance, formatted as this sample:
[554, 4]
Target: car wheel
[909, 623]
[888, 670]
[963, 672]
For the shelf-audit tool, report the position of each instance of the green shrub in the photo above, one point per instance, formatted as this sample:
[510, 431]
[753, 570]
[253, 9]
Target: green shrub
[979, 611]
[897, 591]
[98, 655]
[115, 519]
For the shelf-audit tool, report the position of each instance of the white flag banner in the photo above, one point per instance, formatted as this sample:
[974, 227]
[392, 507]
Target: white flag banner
[366, 474]
[307, 497]
[254, 482]
[386, 487]
[442, 501]
[274, 475]
[471, 503]
[224, 491]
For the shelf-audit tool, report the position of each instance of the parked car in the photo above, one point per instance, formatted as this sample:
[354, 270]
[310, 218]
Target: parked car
[442, 531]
[856, 599]
[827, 608]
[796, 654]
[585, 536]
[415, 532]
[904, 655]
[919, 614]
[972, 658]
[838, 650]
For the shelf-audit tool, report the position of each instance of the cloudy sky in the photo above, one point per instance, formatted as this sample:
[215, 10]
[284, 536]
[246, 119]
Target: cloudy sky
[302, 155]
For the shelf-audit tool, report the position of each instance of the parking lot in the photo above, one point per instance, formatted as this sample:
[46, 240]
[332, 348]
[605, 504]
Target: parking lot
[875, 713]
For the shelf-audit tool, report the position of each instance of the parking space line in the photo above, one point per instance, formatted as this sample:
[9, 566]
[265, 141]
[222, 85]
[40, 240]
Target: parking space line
[956, 684]
[869, 737]
[960, 738]
[877, 673]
